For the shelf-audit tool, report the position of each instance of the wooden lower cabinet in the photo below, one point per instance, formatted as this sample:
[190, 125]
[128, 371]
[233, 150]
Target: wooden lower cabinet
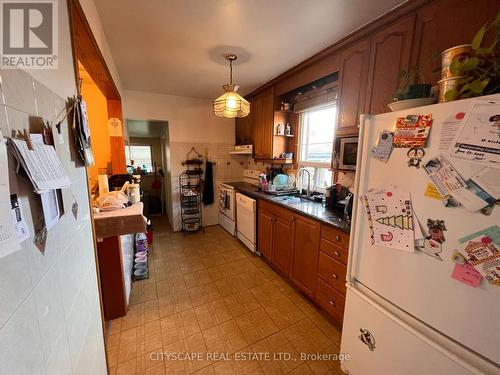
[332, 272]
[311, 255]
[305, 254]
[282, 246]
[265, 233]
[330, 300]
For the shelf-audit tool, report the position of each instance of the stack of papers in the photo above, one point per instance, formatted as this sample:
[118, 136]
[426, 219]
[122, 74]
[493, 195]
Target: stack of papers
[42, 165]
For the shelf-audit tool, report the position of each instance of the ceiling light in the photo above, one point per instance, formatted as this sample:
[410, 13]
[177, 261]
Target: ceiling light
[230, 104]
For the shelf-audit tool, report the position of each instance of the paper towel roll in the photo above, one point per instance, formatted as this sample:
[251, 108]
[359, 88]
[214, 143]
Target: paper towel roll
[102, 181]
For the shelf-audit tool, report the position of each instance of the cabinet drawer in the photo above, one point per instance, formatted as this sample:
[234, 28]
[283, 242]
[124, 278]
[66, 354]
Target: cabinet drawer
[336, 252]
[330, 300]
[332, 272]
[336, 236]
[276, 210]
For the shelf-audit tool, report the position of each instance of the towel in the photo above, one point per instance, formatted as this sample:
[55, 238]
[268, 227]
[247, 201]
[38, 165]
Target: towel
[208, 187]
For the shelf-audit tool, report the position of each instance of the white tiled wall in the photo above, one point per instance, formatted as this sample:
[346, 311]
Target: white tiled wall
[226, 168]
[50, 319]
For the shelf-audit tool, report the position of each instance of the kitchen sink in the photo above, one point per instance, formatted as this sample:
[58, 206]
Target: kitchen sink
[289, 199]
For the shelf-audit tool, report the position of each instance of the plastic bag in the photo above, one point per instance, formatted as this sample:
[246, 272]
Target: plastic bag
[114, 200]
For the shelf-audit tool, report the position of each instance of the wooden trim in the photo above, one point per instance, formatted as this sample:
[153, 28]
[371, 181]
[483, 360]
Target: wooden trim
[86, 50]
[364, 31]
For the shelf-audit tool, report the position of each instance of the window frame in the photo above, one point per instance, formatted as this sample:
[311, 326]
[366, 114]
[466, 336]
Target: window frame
[311, 164]
[130, 145]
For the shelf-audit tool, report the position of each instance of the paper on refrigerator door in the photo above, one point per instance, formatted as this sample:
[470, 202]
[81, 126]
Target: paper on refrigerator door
[390, 217]
[482, 251]
[8, 240]
[489, 180]
[479, 138]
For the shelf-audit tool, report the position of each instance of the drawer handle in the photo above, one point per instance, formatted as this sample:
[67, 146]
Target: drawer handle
[332, 303]
[334, 275]
[336, 253]
[337, 238]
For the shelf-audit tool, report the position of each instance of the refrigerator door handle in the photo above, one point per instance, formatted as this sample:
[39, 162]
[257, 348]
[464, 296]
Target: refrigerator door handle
[351, 261]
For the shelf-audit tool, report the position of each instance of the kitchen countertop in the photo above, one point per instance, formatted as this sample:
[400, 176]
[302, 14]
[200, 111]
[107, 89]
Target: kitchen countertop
[314, 210]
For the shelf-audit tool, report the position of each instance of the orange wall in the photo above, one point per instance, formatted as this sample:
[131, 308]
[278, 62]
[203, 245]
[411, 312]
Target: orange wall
[99, 133]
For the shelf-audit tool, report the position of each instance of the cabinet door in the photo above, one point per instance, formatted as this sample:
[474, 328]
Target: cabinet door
[267, 122]
[248, 130]
[442, 24]
[305, 254]
[353, 79]
[239, 131]
[265, 233]
[390, 53]
[282, 245]
[257, 132]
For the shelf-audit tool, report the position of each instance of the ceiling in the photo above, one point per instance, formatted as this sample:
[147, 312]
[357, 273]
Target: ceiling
[177, 46]
[145, 129]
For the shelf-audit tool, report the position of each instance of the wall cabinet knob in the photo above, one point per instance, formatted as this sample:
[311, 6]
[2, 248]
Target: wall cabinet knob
[337, 254]
[334, 275]
[337, 238]
[332, 303]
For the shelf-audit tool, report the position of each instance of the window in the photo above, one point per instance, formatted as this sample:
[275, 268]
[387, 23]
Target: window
[141, 156]
[316, 144]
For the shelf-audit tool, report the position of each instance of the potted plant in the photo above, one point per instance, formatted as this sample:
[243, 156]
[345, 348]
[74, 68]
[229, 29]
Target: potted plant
[479, 73]
[411, 92]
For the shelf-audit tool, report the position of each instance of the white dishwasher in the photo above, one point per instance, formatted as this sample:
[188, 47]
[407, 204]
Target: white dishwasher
[246, 211]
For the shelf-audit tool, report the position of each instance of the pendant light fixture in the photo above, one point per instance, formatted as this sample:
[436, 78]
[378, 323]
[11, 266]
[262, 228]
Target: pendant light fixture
[230, 104]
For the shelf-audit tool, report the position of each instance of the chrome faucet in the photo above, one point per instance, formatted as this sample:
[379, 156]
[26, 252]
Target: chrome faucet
[308, 180]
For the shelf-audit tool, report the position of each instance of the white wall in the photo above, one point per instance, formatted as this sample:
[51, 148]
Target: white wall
[189, 119]
[50, 318]
[191, 122]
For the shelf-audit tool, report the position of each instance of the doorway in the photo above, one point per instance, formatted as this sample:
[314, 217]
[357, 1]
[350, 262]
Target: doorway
[146, 155]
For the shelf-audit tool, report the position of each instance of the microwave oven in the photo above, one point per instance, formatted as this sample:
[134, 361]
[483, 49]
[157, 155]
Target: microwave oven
[348, 153]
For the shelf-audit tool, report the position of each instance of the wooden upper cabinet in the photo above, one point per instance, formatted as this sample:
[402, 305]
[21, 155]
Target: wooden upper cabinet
[305, 254]
[239, 131]
[267, 122]
[265, 233]
[442, 24]
[282, 245]
[353, 80]
[389, 54]
[263, 115]
[244, 130]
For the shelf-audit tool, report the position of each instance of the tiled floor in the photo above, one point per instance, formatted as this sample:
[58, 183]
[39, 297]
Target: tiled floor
[209, 297]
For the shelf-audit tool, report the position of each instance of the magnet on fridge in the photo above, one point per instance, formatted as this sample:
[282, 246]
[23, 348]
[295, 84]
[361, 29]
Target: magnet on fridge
[458, 258]
[432, 244]
[415, 154]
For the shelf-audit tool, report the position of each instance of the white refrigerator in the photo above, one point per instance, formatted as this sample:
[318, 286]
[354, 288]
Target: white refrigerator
[404, 313]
